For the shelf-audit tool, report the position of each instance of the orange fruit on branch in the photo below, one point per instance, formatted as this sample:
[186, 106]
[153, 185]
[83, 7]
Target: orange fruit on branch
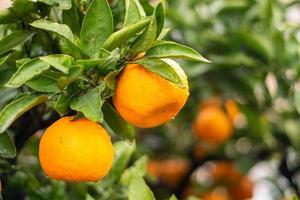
[145, 99]
[79, 150]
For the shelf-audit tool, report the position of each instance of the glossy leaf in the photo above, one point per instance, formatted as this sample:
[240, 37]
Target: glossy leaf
[160, 18]
[59, 61]
[7, 147]
[90, 104]
[174, 50]
[124, 34]
[96, 28]
[45, 82]
[18, 107]
[68, 44]
[133, 12]
[60, 29]
[119, 126]
[26, 72]
[144, 41]
[139, 190]
[123, 152]
[163, 68]
[14, 39]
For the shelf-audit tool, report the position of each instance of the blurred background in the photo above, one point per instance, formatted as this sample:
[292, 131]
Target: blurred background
[253, 80]
[238, 136]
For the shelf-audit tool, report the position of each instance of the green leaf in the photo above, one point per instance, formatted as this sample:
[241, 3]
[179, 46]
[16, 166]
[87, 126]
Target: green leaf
[62, 4]
[45, 82]
[139, 168]
[68, 44]
[96, 28]
[260, 44]
[163, 33]
[173, 197]
[139, 190]
[4, 59]
[71, 18]
[297, 100]
[294, 197]
[90, 63]
[59, 61]
[124, 34]
[90, 104]
[144, 41]
[123, 152]
[89, 197]
[7, 147]
[160, 18]
[62, 103]
[26, 72]
[134, 12]
[119, 126]
[7, 94]
[165, 68]
[174, 50]
[7, 16]
[14, 39]
[74, 74]
[60, 29]
[18, 107]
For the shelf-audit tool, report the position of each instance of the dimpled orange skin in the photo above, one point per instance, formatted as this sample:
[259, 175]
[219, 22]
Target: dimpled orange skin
[213, 125]
[145, 99]
[79, 150]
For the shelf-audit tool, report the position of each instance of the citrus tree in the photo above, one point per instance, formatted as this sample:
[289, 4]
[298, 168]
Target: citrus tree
[87, 72]
[253, 81]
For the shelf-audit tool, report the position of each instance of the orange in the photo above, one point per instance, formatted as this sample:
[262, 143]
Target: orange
[213, 125]
[170, 172]
[233, 110]
[214, 196]
[145, 99]
[212, 101]
[243, 189]
[225, 172]
[79, 150]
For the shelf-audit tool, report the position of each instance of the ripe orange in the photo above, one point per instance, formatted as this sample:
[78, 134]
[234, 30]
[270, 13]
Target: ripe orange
[79, 150]
[213, 125]
[145, 99]
[243, 189]
[170, 172]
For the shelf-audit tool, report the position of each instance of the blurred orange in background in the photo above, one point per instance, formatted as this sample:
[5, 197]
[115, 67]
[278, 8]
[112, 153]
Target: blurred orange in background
[170, 171]
[212, 125]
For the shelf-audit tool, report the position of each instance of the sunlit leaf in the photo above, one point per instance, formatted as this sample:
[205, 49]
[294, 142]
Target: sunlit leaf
[97, 27]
